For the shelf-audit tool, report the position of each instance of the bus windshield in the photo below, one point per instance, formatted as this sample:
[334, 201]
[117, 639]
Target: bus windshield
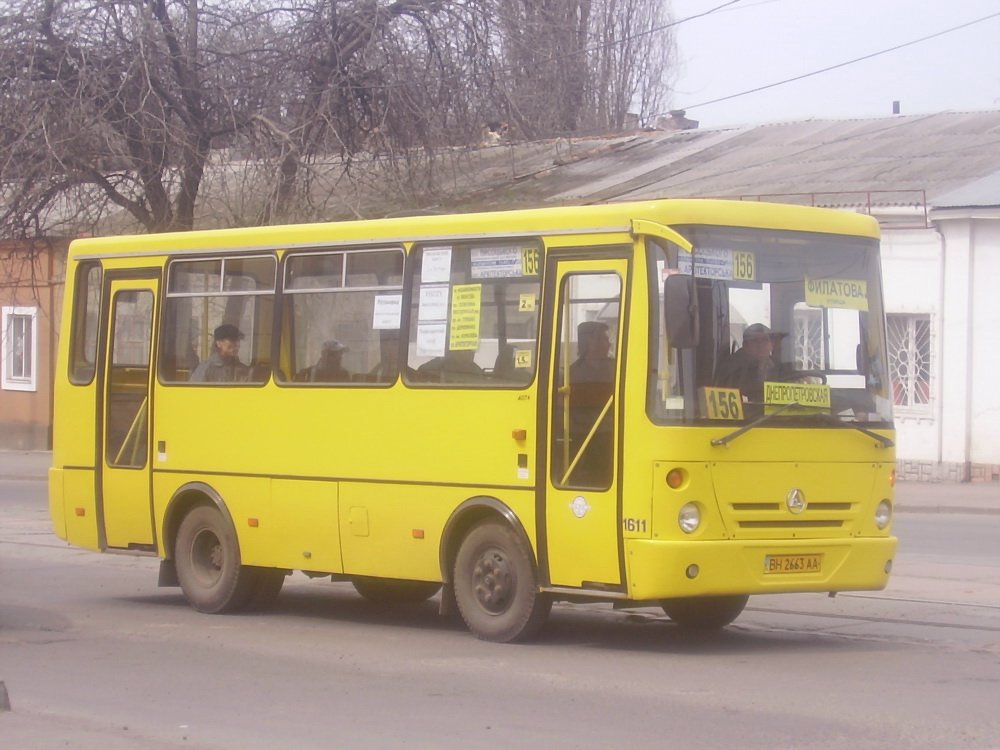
[788, 321]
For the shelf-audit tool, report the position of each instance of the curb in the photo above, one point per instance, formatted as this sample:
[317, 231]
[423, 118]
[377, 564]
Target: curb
[944, 509]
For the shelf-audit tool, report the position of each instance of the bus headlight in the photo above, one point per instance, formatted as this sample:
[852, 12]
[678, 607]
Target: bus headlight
[883, 514]
[689, 518]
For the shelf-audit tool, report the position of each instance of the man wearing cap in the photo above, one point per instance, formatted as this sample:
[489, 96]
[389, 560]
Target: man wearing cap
[748, 367]
[329, 368]
[223, 365]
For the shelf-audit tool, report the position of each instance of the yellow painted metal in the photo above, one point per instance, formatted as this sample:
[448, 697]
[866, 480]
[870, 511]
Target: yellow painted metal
[304, 528]
[658, 569]
[582, 527]
[125, 487]
[654, 229]
[304, 462]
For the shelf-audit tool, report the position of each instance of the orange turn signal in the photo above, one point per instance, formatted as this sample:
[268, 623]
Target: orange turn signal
[675, 478]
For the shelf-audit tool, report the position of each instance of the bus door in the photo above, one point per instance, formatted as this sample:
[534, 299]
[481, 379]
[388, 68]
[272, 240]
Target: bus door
[124, 495]
[583, 412]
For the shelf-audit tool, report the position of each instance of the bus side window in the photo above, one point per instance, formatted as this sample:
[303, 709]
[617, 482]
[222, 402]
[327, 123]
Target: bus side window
[474, 314]
[340, 313]
[86, 316]
[207, 296]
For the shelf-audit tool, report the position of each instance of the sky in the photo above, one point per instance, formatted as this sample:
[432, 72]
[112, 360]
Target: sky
[754, 43]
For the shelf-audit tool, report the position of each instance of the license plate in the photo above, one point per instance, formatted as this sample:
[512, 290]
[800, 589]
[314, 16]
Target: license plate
[792, 563]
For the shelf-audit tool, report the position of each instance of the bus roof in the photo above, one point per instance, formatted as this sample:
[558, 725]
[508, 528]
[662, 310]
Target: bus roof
[596, 219]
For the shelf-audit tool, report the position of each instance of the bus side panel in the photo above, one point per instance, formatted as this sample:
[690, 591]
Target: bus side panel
[305, 528]
[394, 531]
[248, 500]
[79, 506]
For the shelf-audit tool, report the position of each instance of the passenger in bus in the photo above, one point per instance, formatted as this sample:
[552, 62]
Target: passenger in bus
[454, 367]
[749, 366]
[592, 383]
[329, 368]
[223, 364]
[387, 370]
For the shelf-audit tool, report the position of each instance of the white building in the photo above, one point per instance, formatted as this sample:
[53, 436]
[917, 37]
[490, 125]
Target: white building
[933, 181]
[944, 325]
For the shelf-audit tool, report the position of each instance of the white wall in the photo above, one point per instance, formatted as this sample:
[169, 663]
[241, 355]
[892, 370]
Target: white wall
[984, 411]
[911, 274]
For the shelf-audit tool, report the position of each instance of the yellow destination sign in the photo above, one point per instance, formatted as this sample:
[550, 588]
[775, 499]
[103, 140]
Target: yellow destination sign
[780, 394]
[465, 306]
[847, 293]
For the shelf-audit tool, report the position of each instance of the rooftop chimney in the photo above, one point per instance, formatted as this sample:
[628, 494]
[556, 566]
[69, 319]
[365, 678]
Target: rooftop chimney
[677, 121]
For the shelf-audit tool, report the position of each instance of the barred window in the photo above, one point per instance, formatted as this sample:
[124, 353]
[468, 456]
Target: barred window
[808, 333]
[910, 360]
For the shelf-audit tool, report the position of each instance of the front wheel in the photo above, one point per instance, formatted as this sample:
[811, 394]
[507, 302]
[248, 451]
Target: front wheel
[207, 556]
[496, 587]
[706, 612]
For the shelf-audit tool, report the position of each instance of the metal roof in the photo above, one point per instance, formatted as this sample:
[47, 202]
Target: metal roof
[981, 193]
[894, 161]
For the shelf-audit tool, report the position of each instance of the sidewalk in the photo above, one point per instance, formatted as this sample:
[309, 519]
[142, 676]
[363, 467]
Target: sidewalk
[911, 497]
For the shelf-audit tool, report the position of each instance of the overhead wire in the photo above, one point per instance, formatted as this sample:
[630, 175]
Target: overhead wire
[843, 64]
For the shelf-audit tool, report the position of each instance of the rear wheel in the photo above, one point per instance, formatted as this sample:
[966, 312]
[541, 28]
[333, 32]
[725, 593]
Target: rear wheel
[706, 612]
[496, 587]
[266, 587]
[207, 556]
[392, 591]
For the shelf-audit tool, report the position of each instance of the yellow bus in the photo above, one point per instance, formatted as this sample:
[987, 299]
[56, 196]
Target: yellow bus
[675, 403]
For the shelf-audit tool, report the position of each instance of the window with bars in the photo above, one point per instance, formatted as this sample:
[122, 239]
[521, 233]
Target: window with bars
[910, 360]
[20, 336]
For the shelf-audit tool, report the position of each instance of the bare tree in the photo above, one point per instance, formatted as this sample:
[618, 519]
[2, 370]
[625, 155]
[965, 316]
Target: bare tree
[143, 112]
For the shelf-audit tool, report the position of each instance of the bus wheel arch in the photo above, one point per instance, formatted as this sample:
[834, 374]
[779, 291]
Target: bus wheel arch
[467, 515]
[184, 500]
[200, 534]
[489, 565]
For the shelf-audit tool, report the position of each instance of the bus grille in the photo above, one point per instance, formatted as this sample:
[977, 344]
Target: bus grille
[758, 516]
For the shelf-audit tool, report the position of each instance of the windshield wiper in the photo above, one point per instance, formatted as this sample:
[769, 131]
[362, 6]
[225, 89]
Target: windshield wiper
[726, 439]
[828, 418]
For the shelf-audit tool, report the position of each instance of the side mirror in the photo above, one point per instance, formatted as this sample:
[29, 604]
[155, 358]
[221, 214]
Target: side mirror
[680, 309]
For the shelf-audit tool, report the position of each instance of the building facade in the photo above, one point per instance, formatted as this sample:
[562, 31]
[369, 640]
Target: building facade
[31, 286]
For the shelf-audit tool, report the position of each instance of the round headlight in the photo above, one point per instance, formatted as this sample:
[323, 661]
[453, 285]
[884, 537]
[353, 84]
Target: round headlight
[883, 514]
[689, 518]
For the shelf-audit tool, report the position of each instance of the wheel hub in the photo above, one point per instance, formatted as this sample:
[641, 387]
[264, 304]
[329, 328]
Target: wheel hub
[493, 581]
[207, 558]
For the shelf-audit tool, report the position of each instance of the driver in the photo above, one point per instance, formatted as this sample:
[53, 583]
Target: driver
[749, 366]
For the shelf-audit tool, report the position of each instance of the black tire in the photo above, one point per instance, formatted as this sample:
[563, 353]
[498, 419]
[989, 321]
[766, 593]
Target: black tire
[705, 612]
[496, 586]
[265, 589]
[394, 592]
[207, 556]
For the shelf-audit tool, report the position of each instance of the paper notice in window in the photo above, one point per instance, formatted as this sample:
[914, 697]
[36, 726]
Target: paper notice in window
[431, 339]
[435, 265]
[465, 306]
[433, 303]
[388, 309]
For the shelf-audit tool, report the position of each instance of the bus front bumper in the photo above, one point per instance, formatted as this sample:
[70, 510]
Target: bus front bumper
[660, 569]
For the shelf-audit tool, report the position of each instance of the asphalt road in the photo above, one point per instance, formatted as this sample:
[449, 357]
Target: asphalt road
[94, 655]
